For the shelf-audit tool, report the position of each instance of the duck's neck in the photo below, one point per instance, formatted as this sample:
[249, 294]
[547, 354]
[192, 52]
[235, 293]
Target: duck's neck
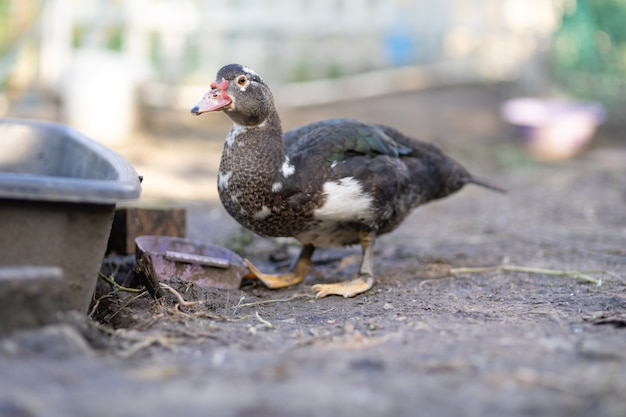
[258, 149]
[254, 167]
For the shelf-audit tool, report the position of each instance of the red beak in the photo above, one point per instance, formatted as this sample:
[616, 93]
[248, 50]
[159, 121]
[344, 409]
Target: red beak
[215, 99]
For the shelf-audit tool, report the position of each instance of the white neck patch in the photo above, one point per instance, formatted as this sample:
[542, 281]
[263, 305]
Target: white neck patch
[235, 131]
[223, 178]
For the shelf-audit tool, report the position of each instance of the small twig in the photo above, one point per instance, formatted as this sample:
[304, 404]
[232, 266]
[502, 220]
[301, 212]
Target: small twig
[209, 315]
[235, 308]
[176, 311]
[264, 322]
[242, 318]
[280, 300]
[179, 297]
[96, 304]
[126, 302]
[119, 287]
[102, 328]
[163, 341]
[580, 275]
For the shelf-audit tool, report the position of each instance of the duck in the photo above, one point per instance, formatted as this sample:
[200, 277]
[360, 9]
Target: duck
[330, 183]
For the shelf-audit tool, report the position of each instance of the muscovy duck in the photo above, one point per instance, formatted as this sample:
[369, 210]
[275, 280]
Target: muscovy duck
[329, 183]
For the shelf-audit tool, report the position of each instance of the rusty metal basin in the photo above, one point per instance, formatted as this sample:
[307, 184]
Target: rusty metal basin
[204, 264]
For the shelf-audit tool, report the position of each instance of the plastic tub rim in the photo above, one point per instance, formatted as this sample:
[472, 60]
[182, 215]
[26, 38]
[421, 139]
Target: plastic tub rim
[126, 187]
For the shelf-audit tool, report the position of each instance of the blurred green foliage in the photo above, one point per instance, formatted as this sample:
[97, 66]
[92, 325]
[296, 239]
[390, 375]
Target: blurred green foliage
[589, 50]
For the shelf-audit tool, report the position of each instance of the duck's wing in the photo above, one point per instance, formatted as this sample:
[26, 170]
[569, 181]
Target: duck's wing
[338, 139]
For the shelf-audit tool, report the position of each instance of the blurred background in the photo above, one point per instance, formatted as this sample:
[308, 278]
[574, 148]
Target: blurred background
[126, 72]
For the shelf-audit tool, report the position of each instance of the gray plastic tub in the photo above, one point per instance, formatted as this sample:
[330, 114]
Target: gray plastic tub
[58, 191]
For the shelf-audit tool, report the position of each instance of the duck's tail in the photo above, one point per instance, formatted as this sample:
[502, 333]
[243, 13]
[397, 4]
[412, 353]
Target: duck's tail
[485, 183]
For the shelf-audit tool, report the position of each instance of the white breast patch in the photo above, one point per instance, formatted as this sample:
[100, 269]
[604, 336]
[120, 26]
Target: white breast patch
[345, 202]
[287, 169]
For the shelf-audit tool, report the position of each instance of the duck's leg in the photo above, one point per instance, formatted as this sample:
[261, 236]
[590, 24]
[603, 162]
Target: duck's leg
[362, 282]
[297, 274]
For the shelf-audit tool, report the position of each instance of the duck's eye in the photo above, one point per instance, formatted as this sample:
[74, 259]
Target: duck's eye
[242, 80]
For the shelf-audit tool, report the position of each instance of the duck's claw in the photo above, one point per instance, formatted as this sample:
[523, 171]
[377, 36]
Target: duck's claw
[297, 274]
[275, 281]
[345, 288]
[363, 282]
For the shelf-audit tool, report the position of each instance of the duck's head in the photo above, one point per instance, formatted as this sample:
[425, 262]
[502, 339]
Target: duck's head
[241, 93]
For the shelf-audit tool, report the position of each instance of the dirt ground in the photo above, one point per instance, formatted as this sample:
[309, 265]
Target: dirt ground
[432, 338]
